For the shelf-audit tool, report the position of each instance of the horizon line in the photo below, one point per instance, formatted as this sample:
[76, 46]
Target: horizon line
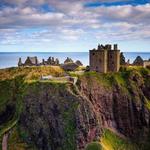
[68, 52]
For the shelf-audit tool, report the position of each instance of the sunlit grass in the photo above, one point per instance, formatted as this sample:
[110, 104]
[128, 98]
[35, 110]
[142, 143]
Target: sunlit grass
[30, 72]
[111, 141]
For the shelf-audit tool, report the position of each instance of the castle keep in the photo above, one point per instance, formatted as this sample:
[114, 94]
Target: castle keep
[105, 59]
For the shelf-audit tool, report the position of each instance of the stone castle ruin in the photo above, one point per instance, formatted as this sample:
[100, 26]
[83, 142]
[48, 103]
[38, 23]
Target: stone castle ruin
[140, 62]
[105, 59]
[51, 61]
[68, 65]
[33, 61]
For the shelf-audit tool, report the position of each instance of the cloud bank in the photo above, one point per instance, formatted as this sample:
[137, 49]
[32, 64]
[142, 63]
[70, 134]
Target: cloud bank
[32, 21]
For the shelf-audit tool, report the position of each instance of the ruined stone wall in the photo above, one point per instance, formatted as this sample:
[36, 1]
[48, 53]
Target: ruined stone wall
[146, 63]
[98, 60]
[28, 62]
[113, 60]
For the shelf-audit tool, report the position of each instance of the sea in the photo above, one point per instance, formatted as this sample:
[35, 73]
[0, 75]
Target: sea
[10, 59]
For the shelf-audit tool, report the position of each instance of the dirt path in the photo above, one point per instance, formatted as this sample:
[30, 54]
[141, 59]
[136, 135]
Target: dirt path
[5, 141]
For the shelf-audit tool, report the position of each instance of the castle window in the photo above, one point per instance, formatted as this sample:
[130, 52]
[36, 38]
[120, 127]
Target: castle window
[93, 54]
[96, 69]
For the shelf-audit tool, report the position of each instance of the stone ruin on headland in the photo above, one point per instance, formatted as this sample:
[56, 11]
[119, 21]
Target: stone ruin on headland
[68, 65]
[109, 59]
[106, 58]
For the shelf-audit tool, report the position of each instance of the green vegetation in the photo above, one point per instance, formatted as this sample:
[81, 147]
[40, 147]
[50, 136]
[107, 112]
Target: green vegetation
[15, 81]
[70, 128]
[124, 78]
[94, 146]
[30, 73]
[10, 103]
[80, 68]
[111, 141]
[147, 104]
[16, 143]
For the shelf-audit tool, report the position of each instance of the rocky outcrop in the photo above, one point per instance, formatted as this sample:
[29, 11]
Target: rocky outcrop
[5, 141]
[121, 107]
[56, 118]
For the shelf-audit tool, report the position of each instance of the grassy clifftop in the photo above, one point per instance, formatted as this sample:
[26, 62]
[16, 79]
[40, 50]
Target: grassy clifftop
[30, 73]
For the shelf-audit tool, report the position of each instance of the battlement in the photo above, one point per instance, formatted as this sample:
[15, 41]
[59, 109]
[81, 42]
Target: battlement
[107, 47]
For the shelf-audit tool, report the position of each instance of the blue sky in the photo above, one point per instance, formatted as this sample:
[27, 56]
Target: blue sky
[73, 25]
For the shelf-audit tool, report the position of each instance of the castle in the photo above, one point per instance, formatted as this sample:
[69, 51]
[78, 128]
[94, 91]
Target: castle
[105, 59]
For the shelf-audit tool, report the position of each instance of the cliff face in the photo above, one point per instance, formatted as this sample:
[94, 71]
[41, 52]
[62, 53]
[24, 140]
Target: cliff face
[63, 116]
[121, 104]
[56, 118]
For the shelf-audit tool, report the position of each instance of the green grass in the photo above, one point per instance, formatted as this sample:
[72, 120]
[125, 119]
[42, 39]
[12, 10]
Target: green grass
[70, 129]
[147, 104]
[80, 68]
[94, 146]
[16, 142]
[11, 94]
[30, 73]
[111, 141]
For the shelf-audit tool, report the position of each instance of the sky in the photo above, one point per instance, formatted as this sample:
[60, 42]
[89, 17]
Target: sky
[74, 25]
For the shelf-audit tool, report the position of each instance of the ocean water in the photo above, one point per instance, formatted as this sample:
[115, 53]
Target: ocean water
[10, 59]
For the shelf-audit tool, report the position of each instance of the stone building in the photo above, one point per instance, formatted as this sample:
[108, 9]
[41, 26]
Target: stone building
[20, 62]
[79, 63]
[105, 59]
[146, 63]
[33, 61]
[51, 61]
[68, 60]
[30, 61]
[140, 62]
[69, 66]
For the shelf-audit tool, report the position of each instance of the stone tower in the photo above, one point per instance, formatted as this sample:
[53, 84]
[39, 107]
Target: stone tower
[104, 59]
[20, 62]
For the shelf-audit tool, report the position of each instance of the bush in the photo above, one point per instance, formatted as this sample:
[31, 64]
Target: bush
[94, 146]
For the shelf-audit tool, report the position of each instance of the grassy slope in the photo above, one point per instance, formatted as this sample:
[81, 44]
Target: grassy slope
[30, 73]
[111, 141]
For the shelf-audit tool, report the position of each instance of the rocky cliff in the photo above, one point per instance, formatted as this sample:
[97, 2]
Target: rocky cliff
[121, 102]
[63, 116]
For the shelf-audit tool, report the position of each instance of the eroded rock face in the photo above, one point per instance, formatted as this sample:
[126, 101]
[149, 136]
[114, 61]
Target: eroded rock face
[57, 119]
[60, 117]
[122, 108]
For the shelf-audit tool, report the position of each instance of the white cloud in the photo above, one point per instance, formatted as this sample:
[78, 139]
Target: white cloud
[70, 20]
